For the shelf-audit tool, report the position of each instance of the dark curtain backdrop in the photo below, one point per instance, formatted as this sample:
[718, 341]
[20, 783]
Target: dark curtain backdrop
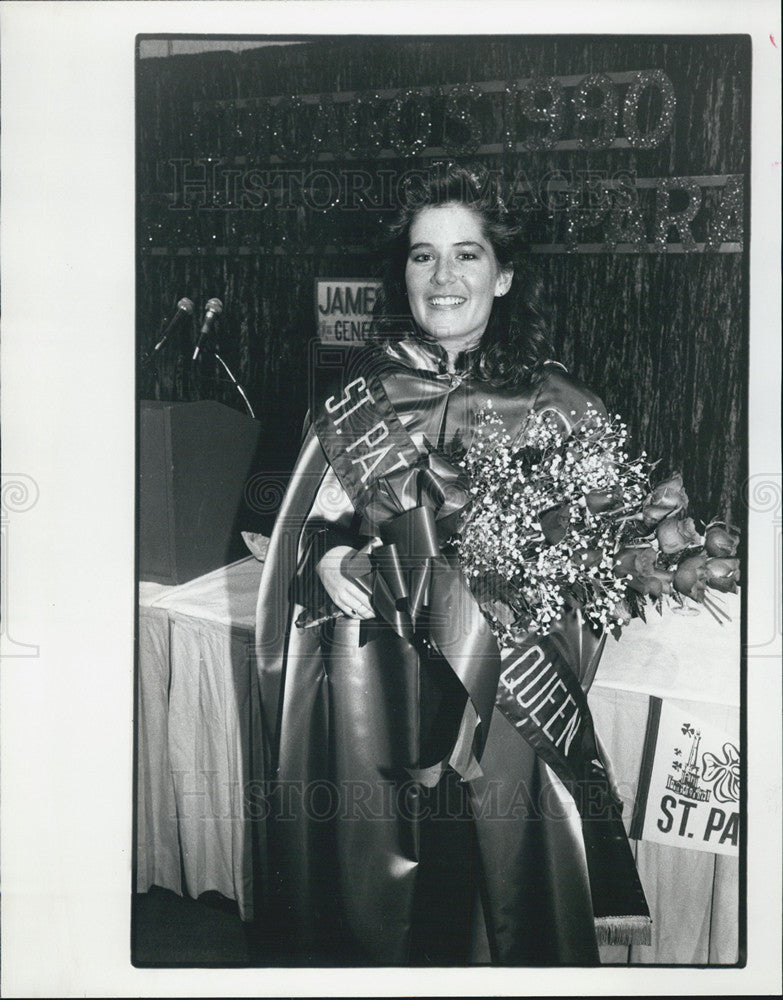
[662, 337]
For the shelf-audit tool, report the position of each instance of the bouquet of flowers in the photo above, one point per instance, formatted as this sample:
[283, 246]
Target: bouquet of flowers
[557, 519]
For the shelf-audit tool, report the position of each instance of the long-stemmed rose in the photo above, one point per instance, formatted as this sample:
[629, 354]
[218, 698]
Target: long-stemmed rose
[723, 574]
[639, 569]
[635, 565]
[601, 501]
[690, 577]
[720, 542]
[554, 523]
[660, 582]
[668, 498]
[695, 573]
[677, 535]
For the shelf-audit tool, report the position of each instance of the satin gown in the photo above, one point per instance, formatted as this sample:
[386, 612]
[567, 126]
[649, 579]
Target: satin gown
[352, 710]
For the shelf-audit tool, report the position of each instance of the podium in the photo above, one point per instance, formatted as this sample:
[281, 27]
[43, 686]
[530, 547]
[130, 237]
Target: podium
[194, 462]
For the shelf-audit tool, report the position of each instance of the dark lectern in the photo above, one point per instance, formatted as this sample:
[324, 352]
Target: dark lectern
[194, 462]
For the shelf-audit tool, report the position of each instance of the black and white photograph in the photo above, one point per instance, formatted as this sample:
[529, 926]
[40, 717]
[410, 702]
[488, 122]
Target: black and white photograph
[445, 423]
[451, 676]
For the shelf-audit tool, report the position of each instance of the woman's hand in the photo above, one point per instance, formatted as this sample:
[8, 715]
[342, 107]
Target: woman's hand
[350, 596]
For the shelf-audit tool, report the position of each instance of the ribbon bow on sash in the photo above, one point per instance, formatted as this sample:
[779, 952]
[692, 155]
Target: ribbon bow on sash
[416, 586]
[413, 511]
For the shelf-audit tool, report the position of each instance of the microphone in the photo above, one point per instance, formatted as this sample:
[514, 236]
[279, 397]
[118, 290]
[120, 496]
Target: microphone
[184, 308]
[214, 308]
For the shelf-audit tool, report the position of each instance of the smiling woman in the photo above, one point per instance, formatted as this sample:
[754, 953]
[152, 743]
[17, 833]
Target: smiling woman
[471, 251]
[452, 277]
[428, 831]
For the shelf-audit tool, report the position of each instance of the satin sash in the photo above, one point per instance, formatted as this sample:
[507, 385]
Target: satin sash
[540, 695]
[412, 502]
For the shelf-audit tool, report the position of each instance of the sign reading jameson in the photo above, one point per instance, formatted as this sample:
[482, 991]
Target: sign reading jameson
[343, 309]
[689, 784]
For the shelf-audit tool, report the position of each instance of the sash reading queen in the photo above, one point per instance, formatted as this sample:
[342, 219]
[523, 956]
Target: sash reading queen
[542, 692]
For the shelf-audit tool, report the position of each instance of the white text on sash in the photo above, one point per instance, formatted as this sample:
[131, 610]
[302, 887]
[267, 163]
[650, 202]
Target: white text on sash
[368, 447]
[544, 697]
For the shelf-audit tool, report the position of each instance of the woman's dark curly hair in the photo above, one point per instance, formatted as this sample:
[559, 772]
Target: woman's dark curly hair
[514, 346]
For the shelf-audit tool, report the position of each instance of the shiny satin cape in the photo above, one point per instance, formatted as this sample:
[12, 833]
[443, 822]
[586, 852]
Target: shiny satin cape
[339, 727]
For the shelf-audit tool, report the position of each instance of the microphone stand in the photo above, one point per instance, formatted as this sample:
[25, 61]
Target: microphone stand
[237, 386]
[184, 308]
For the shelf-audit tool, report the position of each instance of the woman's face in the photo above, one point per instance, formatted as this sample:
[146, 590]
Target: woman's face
[452, 275]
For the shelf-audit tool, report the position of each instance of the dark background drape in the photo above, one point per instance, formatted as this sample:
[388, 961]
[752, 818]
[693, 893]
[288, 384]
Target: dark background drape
[661, 336]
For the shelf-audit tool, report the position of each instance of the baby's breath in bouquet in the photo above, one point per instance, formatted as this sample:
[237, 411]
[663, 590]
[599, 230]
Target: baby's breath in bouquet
[558, 519]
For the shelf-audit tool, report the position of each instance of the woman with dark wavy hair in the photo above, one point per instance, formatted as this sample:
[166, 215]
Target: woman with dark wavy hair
[514, 345]
[410, 822]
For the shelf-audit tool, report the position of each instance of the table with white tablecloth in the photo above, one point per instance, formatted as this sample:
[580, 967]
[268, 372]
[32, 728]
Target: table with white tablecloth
[692, 663]
[200, 766]
[199, 756]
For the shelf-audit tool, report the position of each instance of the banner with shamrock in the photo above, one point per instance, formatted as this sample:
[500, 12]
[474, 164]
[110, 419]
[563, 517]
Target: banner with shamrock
[689, 783]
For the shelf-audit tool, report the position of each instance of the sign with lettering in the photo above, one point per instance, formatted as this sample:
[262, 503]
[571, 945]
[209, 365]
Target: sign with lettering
[592, 111]
[343, 309]
[689, 783]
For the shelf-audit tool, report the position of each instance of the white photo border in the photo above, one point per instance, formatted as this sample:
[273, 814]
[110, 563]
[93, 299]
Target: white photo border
[68, 401]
